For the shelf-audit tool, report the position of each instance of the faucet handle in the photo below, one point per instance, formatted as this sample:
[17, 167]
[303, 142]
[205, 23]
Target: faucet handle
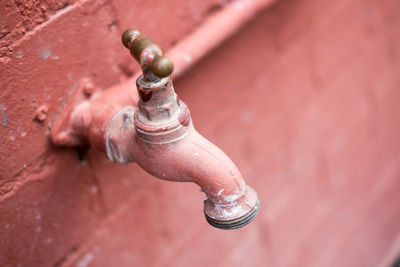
[147, 53]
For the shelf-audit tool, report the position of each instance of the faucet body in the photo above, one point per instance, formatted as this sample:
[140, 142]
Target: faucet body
[154, 129]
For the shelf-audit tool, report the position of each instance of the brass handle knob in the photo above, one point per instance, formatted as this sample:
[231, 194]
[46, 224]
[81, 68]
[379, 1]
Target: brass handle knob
[147, 53]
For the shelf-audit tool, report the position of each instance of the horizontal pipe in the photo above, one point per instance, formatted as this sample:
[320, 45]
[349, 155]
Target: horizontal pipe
[214, 30]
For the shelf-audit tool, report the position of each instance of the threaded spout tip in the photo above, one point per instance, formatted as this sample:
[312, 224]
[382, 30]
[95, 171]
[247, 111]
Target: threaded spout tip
[237, 223]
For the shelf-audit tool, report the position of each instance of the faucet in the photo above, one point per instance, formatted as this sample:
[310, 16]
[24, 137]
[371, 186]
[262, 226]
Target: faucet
[154, 129]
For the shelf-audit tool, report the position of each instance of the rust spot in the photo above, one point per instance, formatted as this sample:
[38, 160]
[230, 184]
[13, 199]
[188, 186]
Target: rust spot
[145, 95]
[184, 117]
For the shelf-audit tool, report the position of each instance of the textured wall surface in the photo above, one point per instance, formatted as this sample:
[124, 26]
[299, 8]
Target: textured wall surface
[304, 99]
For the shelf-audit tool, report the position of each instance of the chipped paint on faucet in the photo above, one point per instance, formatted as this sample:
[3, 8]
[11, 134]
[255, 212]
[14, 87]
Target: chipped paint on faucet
[156, 131]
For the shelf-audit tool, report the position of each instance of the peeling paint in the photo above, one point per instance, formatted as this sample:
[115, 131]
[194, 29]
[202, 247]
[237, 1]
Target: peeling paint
[220, 192]
[20, 54]
[86, 260]
[45, 53]
[4, 116]
[234, 196]
[235, 211]
[20, 129]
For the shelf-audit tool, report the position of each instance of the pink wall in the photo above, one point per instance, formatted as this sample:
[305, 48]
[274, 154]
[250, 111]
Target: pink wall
[303, 98]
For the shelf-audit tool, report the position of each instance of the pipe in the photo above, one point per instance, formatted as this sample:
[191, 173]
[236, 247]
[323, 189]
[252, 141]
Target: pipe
[217, 28]
[210, 34]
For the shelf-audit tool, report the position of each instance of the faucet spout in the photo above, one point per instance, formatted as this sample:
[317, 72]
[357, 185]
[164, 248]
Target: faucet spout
[230, 203]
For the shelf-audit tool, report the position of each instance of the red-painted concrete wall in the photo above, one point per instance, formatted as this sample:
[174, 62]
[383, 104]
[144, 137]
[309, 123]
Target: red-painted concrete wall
[303, 98]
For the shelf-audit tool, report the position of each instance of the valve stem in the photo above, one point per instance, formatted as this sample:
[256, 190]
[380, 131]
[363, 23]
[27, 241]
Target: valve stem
[148, 54]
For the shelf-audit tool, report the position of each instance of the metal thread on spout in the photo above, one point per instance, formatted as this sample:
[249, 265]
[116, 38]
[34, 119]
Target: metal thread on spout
[237, 223]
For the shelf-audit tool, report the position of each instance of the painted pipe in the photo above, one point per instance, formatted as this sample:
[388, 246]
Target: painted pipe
[210, 34]
[217, 28]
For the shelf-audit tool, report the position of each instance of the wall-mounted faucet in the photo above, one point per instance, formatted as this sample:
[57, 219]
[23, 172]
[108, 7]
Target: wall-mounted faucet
[155, 130]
